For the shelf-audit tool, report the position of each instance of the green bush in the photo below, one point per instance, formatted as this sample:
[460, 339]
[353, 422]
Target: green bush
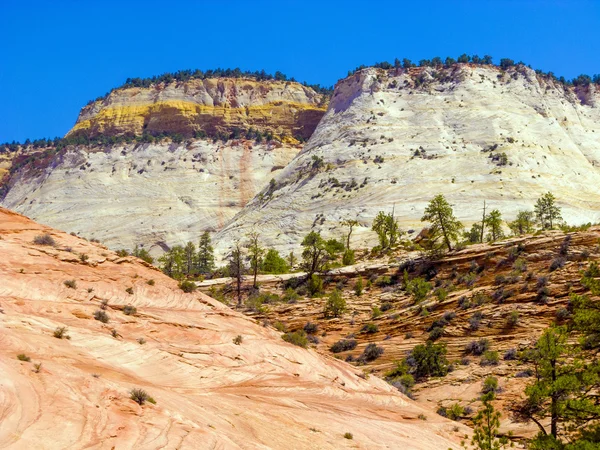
[290, 295]
[348, 436]
[490, 384]
[348, 257]
[335, 305]
[187, 286]
[358, 286]
[298, 338]
[428, 360]
[23, 357]
[455, 412]
[371, 353]
[370, 328]
[418, 288]
[315, 285]
[129, 290]
[490, 358]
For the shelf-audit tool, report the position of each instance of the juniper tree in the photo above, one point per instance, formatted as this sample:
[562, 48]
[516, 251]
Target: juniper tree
[314, 255]
[189, 257]
[236, 268]
[443, 223]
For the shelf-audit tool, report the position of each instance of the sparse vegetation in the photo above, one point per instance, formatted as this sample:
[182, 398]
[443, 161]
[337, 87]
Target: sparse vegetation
[71, 284]
[140, 396]
[298, 338]
[129, 310]
[101, 316]
[61, 332]
[23, 357]
[44, 239]
[238, 339]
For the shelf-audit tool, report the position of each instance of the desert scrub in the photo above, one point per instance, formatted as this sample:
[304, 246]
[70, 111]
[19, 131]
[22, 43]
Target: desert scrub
[348, 436]
[129, 290]
[371, 353]
[490, 384]
[335, 305]
[187, 286]
[101, 316]
[344, 345]
[23, 357]
[140, 396]
[370, 328]
[141, 341]
[72, 284]
[490, 358]
[129, 310]
[297, 338]
[238, 339]
[61, 332]
[150, 282]
[44, 239]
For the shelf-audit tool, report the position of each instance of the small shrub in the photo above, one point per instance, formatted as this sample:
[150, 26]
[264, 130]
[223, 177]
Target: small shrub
[335, 305]
[311, 328]
[370, 328]
[280, 326]
[557, 263]
[490, 384]
[562, 314]
[290, 296]
[510, 354]
[455, 412]
[37, 367]
[61, 332]
[371, 353]
[442, 411]
[139, 396]
[520, 265]
[315, 285]
[297, 338]
[422, 416]
[101, 316]
[435, 334]
[428, 360]
[114, 333]
[477, 347]
[44, 239]
[72, 284]
[104, 304]
[383, 281]
[490, 358]
[524, 373]
[376, 312]
[187, 286]
[83, 257]
[358, 287]
[344, 345]
[386, 306]
[238, 339]
[513, 319]
[129, 310]
[23, 357]
[129, 290]
[593, 271]
[348, 436]
[141, 341]
[151, 282]
[475, 321]
[441, 294]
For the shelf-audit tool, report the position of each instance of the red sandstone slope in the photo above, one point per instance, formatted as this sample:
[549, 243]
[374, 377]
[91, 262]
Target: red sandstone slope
[210, 393]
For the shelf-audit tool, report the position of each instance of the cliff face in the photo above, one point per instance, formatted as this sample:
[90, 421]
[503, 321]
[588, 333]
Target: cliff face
[473, 133]
[155, 195]
[161, 194]
[284, 108]
[208, 392]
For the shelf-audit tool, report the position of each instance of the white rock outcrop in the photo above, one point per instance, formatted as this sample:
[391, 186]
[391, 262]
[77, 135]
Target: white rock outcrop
[399, 137]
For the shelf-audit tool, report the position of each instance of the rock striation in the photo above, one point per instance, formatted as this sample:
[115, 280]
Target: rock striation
[213, 105]
[208, 391]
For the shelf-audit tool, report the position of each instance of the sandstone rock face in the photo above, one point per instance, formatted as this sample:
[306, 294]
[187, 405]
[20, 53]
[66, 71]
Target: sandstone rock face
[400, 137]
[209, 392]
[155, 195]
[214, 105]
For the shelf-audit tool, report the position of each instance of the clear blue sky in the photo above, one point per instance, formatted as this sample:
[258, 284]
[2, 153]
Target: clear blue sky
[57, 55]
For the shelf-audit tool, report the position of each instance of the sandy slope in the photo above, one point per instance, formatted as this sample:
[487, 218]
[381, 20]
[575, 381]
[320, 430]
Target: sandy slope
[210, 392]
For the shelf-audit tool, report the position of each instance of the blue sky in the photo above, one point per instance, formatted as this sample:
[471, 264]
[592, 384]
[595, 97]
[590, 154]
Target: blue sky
[55, 56]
